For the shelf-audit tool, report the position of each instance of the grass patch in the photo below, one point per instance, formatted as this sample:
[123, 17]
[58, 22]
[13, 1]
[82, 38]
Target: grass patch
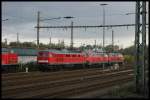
[127, 91]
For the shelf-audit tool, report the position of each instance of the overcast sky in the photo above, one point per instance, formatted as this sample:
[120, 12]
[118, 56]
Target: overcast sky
[22, 18]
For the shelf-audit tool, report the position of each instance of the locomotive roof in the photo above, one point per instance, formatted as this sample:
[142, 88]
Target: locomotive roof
[22, 51]
[61, 51]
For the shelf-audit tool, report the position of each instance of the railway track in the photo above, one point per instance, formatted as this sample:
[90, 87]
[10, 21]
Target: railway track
[17, 79]
[56, 86]
[26, 83]
[11, 76]
[61, 85]
[89, 87]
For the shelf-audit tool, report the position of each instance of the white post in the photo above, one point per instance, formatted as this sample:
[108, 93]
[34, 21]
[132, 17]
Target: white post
[26, 69]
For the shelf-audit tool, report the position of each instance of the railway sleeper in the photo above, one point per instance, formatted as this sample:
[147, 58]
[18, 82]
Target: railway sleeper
[50, 77]
[47, 75]
[61, 85]
[67, 90]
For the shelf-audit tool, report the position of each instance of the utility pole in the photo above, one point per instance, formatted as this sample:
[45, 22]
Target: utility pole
[63, 43]
[71, 45]
[103, 24]
[103, 28]
[18, 39]
[50, 40]
[5, 41]
[38, 29]
[58, 41]
[112, 40]
[95, 43]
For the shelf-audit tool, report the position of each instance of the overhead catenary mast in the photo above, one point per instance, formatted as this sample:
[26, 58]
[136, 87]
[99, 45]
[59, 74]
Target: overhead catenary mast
[38, 28]
[18, 39]
[112, 40]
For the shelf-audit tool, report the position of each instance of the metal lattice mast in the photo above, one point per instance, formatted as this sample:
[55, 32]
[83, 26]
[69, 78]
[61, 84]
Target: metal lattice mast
[18, 39]
[112, 40]
[143, 45]
[140, 32]
[137, 25]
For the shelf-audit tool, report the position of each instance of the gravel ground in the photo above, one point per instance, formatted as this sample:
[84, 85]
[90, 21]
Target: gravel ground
[120, 91]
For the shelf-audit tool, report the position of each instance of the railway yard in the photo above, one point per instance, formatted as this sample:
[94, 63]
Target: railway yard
[63, 84]
[93, 55]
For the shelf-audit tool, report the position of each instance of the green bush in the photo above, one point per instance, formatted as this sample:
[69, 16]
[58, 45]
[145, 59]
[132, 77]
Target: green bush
[129, 59]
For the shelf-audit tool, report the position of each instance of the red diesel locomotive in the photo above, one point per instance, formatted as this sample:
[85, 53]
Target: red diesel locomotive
[115, 58]
[50, 58]
[95, 57]
[56, 57]
[8, 59]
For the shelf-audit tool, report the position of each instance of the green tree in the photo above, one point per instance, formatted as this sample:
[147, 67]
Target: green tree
[3, 44]
[128, 51]
[14, 44]
[109, 48]
[28, 44]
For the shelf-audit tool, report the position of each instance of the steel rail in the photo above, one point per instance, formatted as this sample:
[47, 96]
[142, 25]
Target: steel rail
[85, 79]
[33, 79]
